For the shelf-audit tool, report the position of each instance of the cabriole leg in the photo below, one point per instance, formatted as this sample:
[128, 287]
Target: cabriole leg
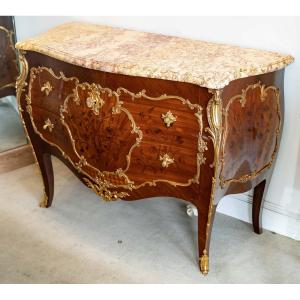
[205, 221]
[45, 164]
[259, 195]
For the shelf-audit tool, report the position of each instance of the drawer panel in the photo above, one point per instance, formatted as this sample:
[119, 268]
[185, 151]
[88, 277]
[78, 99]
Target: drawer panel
[48, 90]
[150, 163]
[115, 136]
[182, 132]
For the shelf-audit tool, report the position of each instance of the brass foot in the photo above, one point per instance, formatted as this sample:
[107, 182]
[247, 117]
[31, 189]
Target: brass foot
[204, 263]
[44, 200]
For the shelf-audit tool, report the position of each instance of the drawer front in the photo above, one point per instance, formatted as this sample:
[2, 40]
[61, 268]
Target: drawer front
[117, 137]
[152, 163]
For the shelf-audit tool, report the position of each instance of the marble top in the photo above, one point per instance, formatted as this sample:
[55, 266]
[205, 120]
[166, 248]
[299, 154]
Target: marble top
[135, 53]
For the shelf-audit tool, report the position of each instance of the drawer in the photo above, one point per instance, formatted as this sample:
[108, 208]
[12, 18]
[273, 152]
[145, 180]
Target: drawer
[151, 163]
[164, 124]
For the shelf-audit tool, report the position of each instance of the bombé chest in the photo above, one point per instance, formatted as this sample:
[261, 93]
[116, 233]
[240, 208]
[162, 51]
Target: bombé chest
[172, 117]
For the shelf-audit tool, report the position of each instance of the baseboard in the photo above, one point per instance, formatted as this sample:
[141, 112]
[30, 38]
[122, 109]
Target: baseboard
[16, 158]
[275, 217]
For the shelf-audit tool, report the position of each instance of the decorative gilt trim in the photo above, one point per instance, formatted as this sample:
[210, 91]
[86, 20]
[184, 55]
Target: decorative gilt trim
[44, 200]
[101, 189]
[94, 101]
[214, 117]
[242, 98]
[48, 125]
[168, 118]
[80, 164]
[202, 145]
[10, 34]
[46, 88]
[204, 263]
[166, 160]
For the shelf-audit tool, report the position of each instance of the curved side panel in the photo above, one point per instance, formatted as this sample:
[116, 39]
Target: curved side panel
[251, 133]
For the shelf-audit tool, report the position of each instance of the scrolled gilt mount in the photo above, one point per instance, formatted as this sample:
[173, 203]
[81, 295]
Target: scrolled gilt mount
[123, 150]
[48, 125]
[166, 160]
[46, 88]
[168, 118]
[94, 101]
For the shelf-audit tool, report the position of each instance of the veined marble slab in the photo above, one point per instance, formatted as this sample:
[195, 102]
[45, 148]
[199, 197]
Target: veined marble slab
[135, 53]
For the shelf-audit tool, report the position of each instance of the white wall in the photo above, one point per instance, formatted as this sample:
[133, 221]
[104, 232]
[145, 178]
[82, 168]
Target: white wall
[282, 207]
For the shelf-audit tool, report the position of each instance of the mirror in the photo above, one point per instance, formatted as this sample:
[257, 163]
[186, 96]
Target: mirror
[14, 149]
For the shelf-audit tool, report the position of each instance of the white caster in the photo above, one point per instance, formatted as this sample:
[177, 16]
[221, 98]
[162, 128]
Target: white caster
[191, 210]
